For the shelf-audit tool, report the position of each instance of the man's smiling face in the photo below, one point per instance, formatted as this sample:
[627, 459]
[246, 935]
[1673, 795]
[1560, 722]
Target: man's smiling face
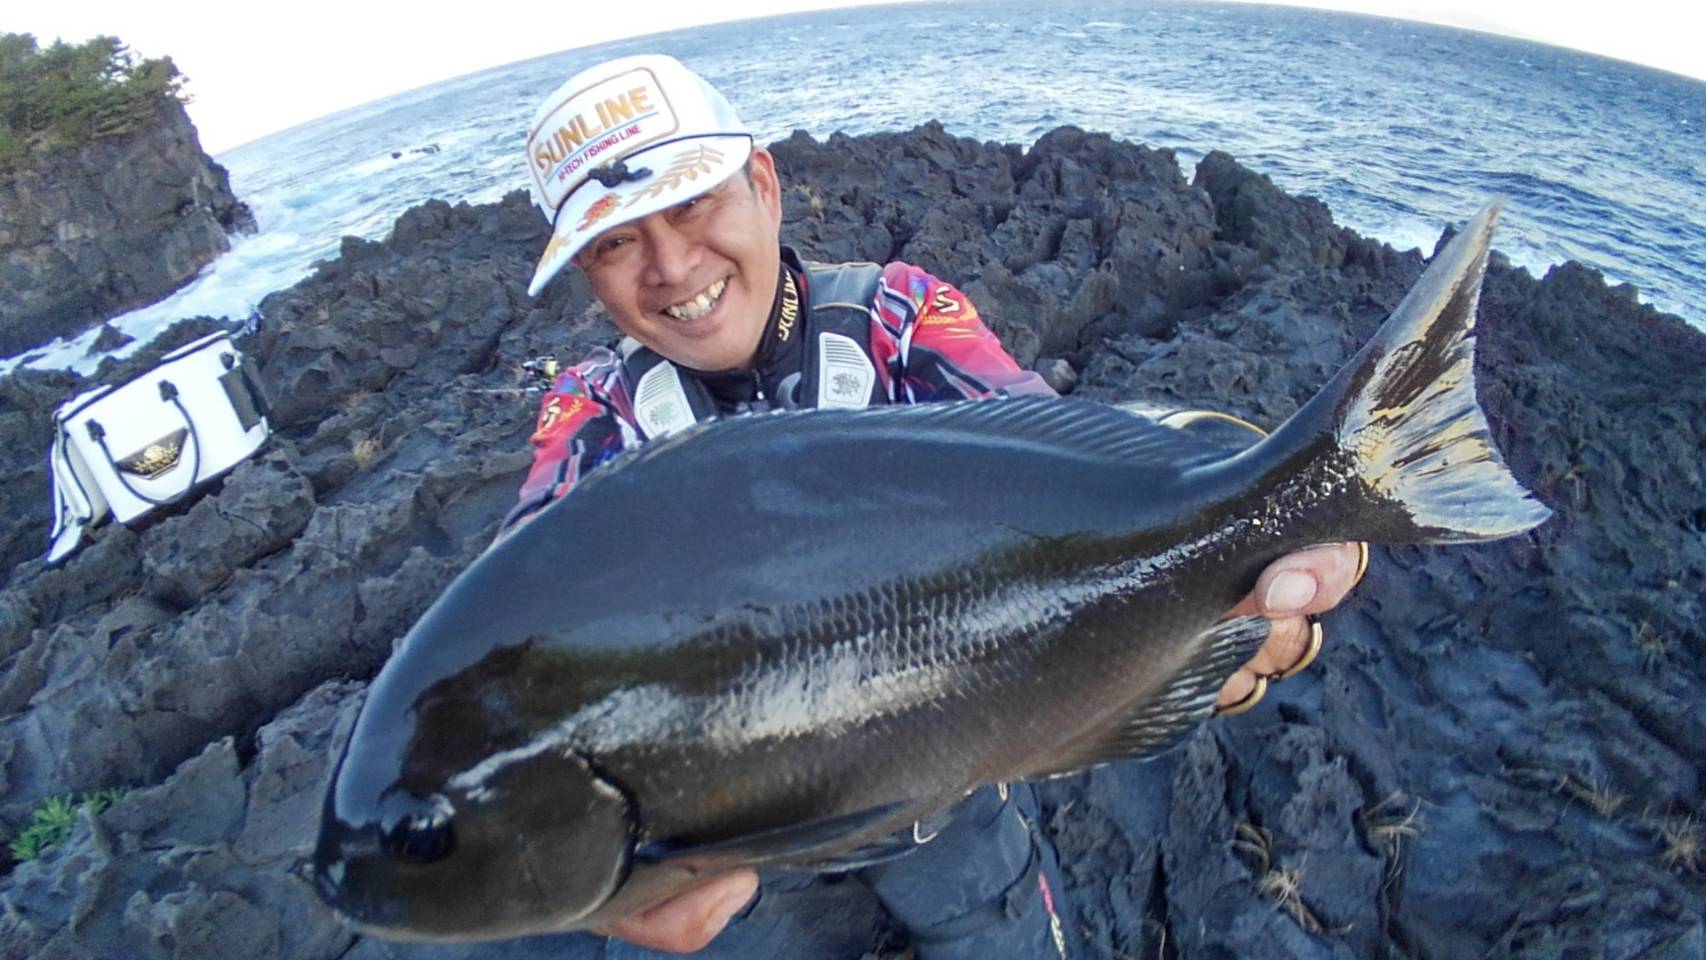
[696, 281]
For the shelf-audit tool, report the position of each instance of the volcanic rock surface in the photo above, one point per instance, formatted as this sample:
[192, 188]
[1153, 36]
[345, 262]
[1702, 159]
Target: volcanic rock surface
[1498, 753]
[95, 230]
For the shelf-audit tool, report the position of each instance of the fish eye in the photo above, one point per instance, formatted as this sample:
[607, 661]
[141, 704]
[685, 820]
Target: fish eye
[426, 837]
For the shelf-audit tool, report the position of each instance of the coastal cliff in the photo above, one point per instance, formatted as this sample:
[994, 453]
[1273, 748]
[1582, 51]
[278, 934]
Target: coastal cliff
[94, 229]
[1498, 753]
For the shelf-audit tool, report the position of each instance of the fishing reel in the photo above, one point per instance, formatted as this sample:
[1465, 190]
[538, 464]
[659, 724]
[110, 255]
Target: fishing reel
[541, 374]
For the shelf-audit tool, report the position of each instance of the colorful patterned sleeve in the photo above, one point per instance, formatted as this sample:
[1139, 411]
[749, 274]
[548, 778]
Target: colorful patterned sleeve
[579, 427]
[931, 344]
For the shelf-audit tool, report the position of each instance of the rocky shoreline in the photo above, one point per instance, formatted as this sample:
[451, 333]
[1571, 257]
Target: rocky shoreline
[92, 231]
[1499, 753]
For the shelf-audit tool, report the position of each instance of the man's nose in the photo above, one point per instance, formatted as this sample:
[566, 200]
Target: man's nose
[673, 255]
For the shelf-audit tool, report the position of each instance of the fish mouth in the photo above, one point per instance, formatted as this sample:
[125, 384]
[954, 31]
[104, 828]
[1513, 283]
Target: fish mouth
[698, 307]
[380, 897]
[336, 877]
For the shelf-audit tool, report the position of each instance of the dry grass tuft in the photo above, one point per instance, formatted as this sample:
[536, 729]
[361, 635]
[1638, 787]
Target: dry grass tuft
[1683, 843]
[353, 401]
[1388, 824]
[366, 452]
[1598, 794]
[813, 198]
[1285, 886]
[1280, 883]
[1655, 647]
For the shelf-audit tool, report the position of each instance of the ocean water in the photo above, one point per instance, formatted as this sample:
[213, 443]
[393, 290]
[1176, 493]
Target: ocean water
[1401, 128]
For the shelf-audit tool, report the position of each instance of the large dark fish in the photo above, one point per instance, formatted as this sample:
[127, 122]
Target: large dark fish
[778, 639]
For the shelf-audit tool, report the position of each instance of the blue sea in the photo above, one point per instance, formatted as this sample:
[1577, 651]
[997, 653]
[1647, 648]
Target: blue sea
[1401, 128]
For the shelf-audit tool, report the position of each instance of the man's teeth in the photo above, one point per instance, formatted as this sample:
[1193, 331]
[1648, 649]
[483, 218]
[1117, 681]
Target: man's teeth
[698, 306]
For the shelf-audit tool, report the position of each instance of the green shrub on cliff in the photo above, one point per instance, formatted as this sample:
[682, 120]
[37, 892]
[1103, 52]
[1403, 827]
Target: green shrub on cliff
[67, 95]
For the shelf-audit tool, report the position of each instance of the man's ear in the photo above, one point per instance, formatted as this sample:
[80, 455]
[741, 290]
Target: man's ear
[766, 183]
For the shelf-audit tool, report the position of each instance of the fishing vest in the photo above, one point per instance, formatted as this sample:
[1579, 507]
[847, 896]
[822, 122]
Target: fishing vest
[836, 370]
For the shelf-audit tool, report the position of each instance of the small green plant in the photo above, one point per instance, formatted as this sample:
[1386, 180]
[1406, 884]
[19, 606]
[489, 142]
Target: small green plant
[51, 822]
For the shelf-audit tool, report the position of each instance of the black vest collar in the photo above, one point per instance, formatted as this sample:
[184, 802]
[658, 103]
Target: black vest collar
[813, 302]
[780, 349]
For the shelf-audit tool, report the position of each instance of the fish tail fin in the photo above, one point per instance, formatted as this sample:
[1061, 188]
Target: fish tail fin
[1403, 414]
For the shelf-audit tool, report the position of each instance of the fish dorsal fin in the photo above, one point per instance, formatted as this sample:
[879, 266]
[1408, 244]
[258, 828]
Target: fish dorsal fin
[812, 842]
[1095, 430]
[1163, 720]
[1050, 424]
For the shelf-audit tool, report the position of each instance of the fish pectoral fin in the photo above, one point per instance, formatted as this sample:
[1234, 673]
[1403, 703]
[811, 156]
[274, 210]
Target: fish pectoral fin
[812, 842]
[881, 850]
[1162, 721]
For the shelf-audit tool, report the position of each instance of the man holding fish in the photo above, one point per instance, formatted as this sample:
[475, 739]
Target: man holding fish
[658, 194]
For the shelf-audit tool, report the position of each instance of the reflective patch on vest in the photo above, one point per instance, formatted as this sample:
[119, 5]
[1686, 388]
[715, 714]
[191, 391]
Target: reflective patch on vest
[660, 401]
[844, 373]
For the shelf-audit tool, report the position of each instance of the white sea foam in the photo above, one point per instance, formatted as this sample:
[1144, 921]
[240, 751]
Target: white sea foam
[1401, 129]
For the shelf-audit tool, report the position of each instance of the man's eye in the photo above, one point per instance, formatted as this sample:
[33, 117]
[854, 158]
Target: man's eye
[600, 252]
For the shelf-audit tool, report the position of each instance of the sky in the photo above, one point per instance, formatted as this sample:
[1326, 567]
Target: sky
[255, 69]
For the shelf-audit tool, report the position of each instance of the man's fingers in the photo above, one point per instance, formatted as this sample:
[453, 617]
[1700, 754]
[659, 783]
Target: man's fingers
[1314, 580]
[688, 921]
[1288, 642]
[1237, 689]
[1308, 581]
[1291, 589]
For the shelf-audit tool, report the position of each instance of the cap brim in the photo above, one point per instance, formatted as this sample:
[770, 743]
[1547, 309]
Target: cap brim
[680, 170]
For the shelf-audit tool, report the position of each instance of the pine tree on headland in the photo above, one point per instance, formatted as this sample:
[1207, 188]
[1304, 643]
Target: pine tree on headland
[68, 95]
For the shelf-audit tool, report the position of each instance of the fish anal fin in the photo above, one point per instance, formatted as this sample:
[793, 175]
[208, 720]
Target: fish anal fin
[1161, 721]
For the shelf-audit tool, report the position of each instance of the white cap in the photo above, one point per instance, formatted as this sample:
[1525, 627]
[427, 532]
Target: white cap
[624, 139]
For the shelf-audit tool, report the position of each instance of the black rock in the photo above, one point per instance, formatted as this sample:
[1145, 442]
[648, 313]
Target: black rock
[118, 223]
[1498, 753]
[1058, 374]
[110, 339]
